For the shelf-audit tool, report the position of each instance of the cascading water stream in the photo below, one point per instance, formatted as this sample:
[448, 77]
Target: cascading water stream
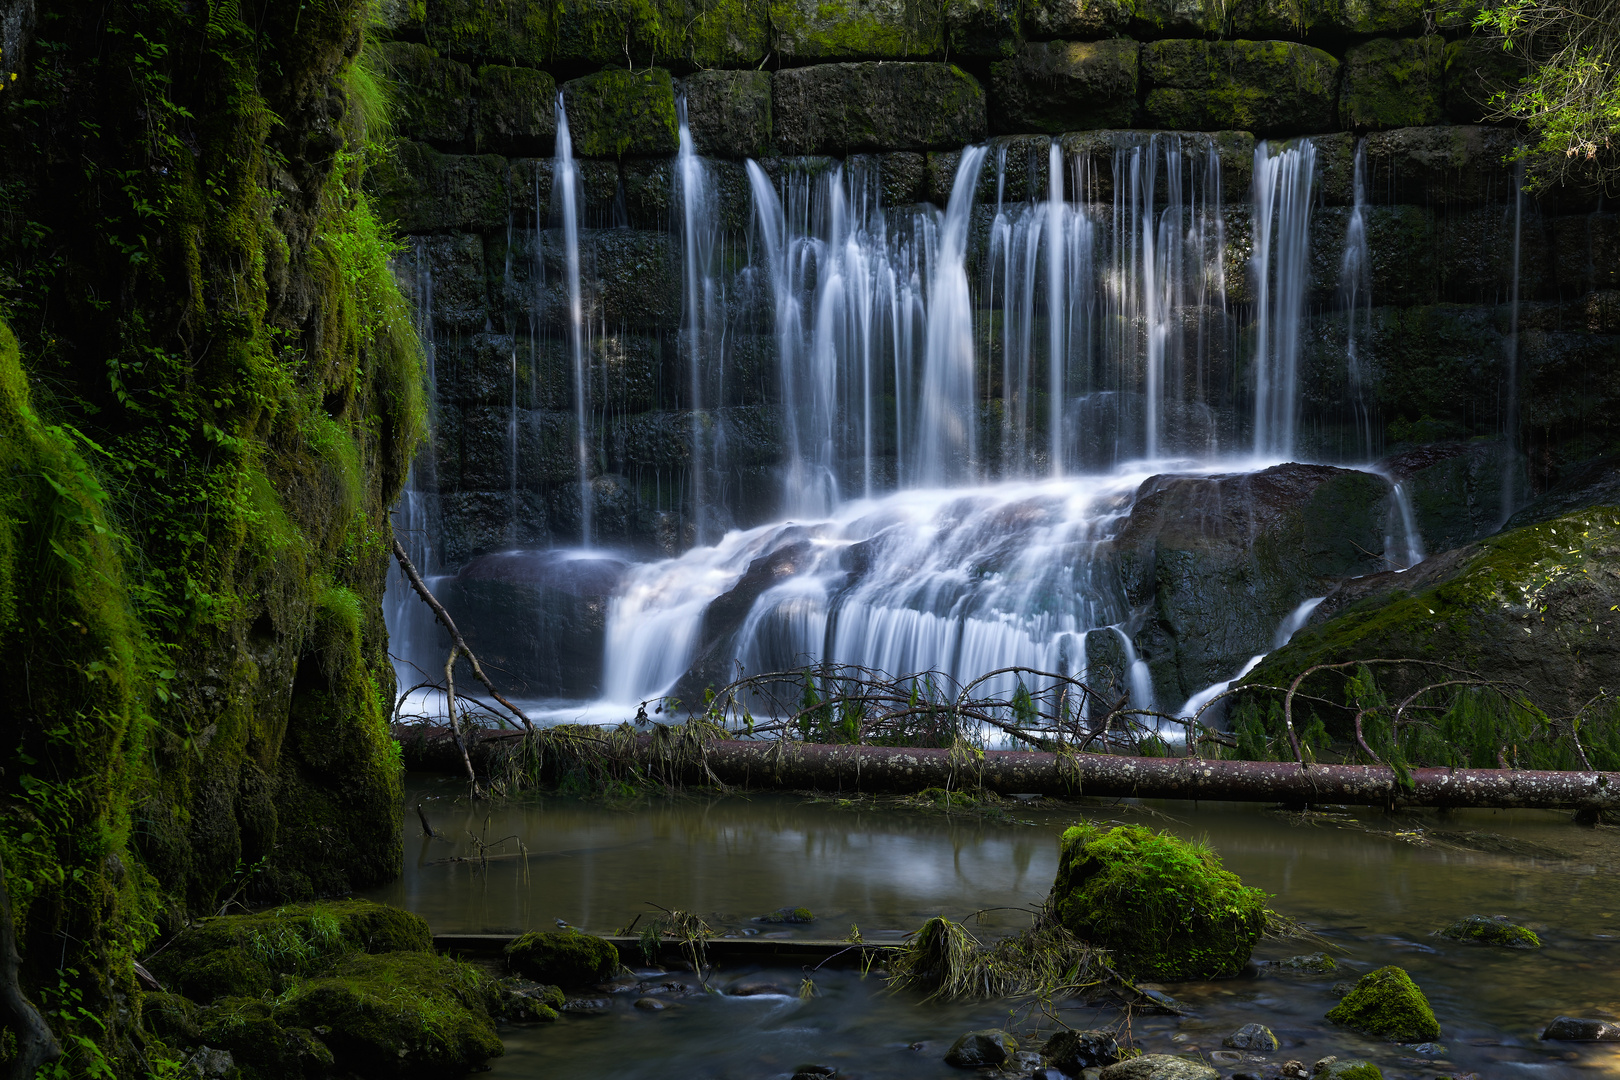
[702, 314]
[1282, 210]
[565, 195]
[1355, 292]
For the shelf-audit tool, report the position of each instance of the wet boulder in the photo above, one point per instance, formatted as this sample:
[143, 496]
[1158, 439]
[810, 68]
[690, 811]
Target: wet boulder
[1307, 964]
[1578, 1029]
[567, 958]
[1160, 1067]
[980, 1049]
[1334, 1068]
[1387, 1004]
[1252, 1037]
[1073, 1052]
[1492, 930]
[398, 1015]
[1163, 906]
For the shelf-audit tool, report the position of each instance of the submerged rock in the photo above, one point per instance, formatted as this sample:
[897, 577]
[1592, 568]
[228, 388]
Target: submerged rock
[1160, 1067]
[797, 916]
[1578, 1029]
[1307, 964]
[569, 958]
[1387, 1004]
[1333, 1068]
[1164, 906]
[980, 1048]
[1073, 1052]
[1251, 1037]
[1492, 930]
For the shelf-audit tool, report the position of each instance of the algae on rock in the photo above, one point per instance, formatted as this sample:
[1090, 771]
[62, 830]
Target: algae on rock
[1387, 1004]
[1164, 907]
[569, 958]
[1488, 930]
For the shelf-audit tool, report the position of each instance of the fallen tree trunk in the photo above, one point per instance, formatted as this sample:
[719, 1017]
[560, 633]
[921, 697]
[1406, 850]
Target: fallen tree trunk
[761, 764]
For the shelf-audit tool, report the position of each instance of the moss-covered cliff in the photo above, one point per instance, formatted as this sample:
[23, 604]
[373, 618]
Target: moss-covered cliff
[209, 396]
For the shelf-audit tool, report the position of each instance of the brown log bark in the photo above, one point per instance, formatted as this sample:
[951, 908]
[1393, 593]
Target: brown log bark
[893, 770]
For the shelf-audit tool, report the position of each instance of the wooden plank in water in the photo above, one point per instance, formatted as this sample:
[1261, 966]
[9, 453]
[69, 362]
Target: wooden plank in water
[731, 951]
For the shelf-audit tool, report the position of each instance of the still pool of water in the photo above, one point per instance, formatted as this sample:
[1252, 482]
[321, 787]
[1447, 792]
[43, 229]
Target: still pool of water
[1375, 886]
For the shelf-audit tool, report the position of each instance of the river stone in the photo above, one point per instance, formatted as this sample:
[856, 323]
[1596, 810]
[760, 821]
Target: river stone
[729, 112]
[517, 110]
[1387, 1004]
[568, 958]
[1391, 82]
[1268, 87]
[1159, 1067]
[1334, 1068]
[1165, 907]
[1578, 1029]
[1492, 930]
[434, 96]
[1074, 1051]
[851, 108]
[1316, 963]
[977, 1049]
[1058, 86]
[617, 112]
[1252, 1037]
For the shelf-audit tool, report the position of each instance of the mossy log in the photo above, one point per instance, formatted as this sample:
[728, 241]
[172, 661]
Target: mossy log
[888, 769]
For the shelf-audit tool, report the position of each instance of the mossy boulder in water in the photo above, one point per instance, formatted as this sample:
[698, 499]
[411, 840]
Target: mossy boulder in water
[399, 1014]
[1346, 1069]
[1160, 1067]
[1073, 1052]
[1164, 906]
[1492, 930]
[978, 1049]
[1387, 1004]
[568, 958]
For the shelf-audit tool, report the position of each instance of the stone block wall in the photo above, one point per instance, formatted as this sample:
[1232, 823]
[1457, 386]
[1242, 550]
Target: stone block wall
[909, 85]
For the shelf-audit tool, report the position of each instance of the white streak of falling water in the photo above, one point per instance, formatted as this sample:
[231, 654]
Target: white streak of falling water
[701, 321]
[1355, 292]
[1281, 267]
[1404, 552]
[1057, 212]
[565, 200]
[1285, 631]
[1141, 679]
[948, 417]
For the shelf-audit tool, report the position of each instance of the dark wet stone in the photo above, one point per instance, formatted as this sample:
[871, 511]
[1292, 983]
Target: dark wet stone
[1307, 964]
[814, 1072]
[1076, 1051]
[1492, 930]
[753, 989]
[977, 1049]
[651, 1004]
[1580, 1029]
[587, 1006]
[1160, 1067]
[1251, 1037]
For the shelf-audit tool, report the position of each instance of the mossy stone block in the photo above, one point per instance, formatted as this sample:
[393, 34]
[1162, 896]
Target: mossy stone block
[618, 112]
[1164, 906]
[1393, 82]
[421, 190]
[729, 112]
[1489, 930]
[851, 108]
[434, 99]
[1159, 18]
[988, 29]
[856, 29]
[1377, 16]
[403, 18]
[569, 958]
[1477, 70]
[1387, 1004]
[1445, 165]
[1267, 87]
[726, 33]
[517, 110]
[399, 1014]
[1060, 86]
[506, 31]
[265, 1050]
[1074, 20]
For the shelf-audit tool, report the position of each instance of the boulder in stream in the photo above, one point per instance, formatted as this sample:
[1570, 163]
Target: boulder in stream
[1387, 1004]
[1072, 1052]
[1317, 963]
[1160, 1067]
[566, 958]
[1334, 1068]
[1252, 1037]
[1492, 930]
[1164, 906]
[1580, 1029]
[978, 1049]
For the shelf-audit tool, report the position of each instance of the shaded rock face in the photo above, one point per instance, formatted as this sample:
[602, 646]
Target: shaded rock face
[851, 108]
[536, 619]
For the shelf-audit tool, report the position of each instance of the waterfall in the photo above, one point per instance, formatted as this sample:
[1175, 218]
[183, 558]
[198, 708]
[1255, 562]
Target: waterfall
[1281, 268]
[1410, 543]
[702, 314]
[1355, 293]
[565, 200]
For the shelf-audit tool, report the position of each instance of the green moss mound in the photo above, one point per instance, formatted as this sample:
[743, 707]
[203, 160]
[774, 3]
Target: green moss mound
[1492, 930]
[1350, 1069]
[399, 1014]
[568, 958]
[1162, 905]
[1387, 1004]
[262, 1047]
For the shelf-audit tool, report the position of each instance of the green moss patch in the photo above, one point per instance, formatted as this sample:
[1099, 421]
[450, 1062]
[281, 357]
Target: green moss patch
[569, 958]
[1492, 930]
[1387, 1004]
[399, 1014]
[617, 112]
[1162, 905]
